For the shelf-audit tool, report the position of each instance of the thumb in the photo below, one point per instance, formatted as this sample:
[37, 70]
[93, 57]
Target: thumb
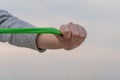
[65, 32]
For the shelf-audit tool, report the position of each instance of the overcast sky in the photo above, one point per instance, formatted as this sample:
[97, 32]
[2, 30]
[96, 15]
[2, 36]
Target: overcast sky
[96, 59]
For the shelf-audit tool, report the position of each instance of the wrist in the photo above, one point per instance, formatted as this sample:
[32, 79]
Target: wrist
[48, 41]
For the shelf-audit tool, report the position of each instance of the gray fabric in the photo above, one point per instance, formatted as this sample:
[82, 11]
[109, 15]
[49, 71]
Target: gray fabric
[20, 40]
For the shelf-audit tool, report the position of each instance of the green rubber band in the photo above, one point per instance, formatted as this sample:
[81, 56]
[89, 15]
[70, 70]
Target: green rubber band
[29, 31]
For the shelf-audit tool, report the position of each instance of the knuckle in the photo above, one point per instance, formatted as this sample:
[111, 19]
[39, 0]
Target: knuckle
[79, 26]
[66, 31]
[70, 23]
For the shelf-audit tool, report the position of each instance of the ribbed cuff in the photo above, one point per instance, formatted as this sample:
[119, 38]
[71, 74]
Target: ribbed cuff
[39, 49]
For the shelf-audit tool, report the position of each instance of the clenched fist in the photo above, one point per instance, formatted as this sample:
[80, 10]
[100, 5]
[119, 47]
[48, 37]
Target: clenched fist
[72, 36]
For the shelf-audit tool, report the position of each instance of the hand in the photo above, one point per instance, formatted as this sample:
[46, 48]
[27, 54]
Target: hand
[73, 36]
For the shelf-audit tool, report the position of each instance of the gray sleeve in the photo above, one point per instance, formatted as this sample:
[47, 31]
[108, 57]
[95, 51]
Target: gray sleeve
[20, 40]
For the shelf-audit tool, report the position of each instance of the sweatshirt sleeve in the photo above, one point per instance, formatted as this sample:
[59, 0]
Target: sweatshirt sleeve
[20, 40]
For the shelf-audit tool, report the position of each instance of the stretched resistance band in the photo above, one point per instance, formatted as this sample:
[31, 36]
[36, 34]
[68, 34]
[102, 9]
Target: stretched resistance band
[29, 31]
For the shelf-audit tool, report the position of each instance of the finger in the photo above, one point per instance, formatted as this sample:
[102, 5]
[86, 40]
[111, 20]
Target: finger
[65, 32]
[82, 32]
[74, 32]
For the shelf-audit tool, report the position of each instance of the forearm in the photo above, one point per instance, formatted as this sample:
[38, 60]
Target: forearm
[48, 41]
[21, 40]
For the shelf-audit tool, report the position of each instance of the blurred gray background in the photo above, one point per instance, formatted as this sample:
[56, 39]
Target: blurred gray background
[98, 58]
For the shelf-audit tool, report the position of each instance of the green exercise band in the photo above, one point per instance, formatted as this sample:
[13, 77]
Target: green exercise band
[29, 31]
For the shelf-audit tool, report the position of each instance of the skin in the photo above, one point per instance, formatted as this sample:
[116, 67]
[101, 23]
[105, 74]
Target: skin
[73, 35]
